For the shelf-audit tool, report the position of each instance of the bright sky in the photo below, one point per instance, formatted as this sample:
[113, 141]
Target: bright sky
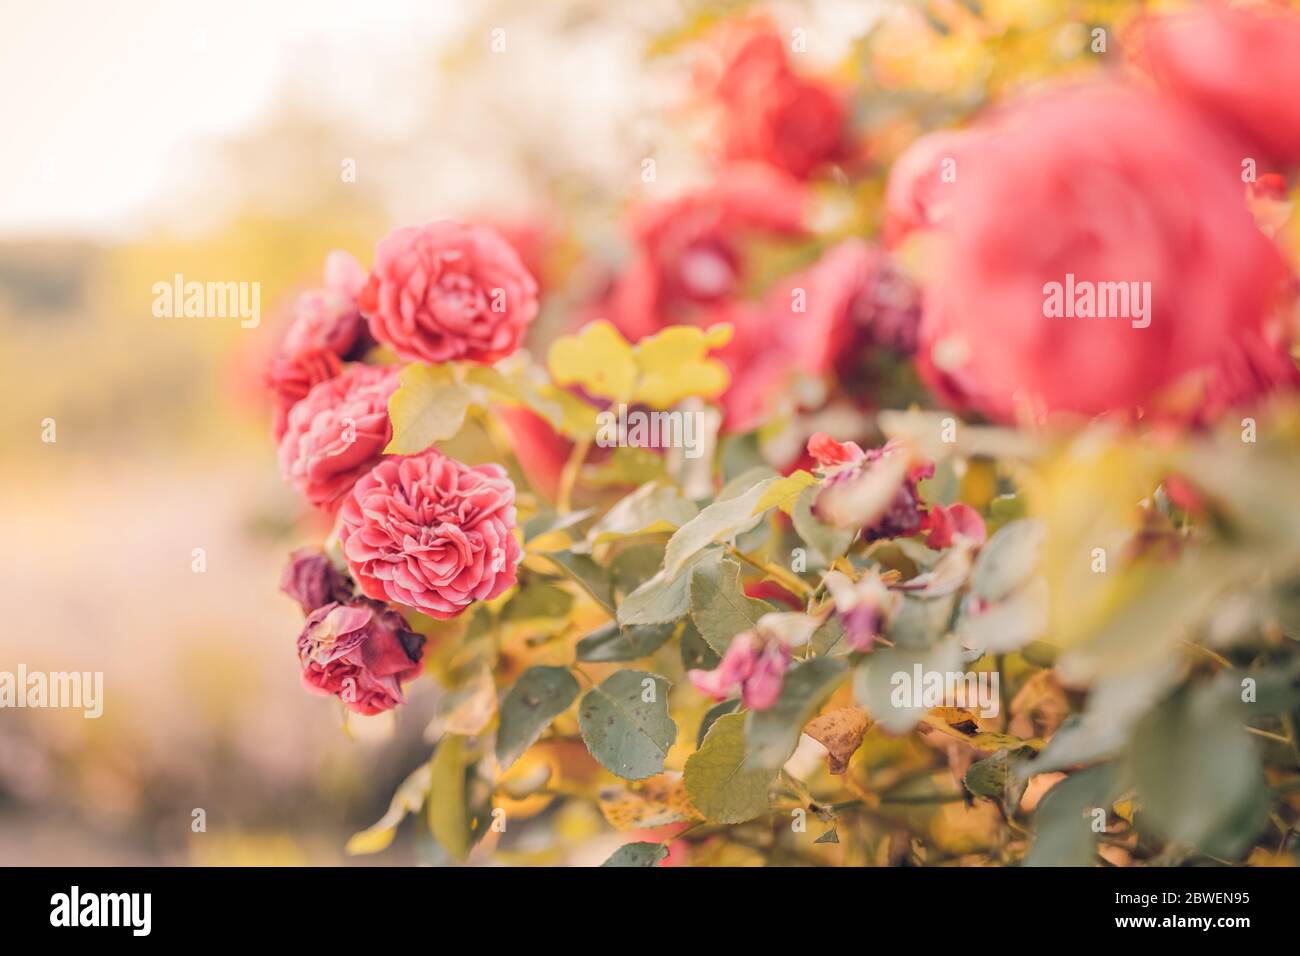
[99, 100]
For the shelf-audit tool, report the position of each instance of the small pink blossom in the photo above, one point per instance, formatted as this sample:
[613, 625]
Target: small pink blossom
[360, 652]
[944, 524]
[753, 666]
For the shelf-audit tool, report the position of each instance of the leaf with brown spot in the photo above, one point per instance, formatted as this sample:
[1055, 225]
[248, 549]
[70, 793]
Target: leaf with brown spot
[840, 732]
[648, 803]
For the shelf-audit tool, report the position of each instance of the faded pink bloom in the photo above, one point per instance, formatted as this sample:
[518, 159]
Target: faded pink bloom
[753, 666]
[944, 524]
[448, 291]
[311, 579]
[360, 652]
[865, 607]
[919, 192]
[877, 493]
[1239, 66]
[337, 433]
[431, 533]
[1090, 185]
[327, 328]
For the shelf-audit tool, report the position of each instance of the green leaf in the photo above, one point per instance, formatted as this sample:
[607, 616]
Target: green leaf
[997, 778]
[720, 521]
[538, 602]
[427, 407]
[721, 781]
[635, 565]
[449, 816]
[651, 508]
[884, 681]
[825, 543]
[664, 597]
[711, 717]
[587, 574]
[696, 653]
[408, 798]
[719, 606]
[774, 733]
[637, 854]
[1007, 560]
[1197, 773]
[629, 734]
[1063, 834]
[539, 696]
[614, 643]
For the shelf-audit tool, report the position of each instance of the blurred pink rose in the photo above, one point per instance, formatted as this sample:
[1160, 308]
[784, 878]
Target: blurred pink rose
[337, 433]
[326, 329]
[1093, 186]
[689, 250]
[1240, 66]
[430, 533]
[313, 581]
[945, 523]
[876, 492]
[360, 652]
[825, 450]
[771, 114]
[753, 666]
[449, 291]
[919, 192]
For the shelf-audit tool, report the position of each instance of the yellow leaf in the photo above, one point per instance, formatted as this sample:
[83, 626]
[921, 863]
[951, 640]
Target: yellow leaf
[840, 732]
[648, 803]
[785, 492]
[598, 358]
[427, 407]
[674, 365]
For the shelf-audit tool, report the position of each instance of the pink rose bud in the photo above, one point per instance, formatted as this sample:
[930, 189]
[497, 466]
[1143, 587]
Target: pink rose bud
[311, 580]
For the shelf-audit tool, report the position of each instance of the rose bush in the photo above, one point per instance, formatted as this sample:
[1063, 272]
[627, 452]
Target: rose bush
[822, 537]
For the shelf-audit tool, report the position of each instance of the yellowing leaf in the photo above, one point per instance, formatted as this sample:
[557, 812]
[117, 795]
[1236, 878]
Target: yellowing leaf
[408, 799]
[427, 407]
[658, 371]
[840, 732]
[646, 804]
[784, 492]
[598, 358]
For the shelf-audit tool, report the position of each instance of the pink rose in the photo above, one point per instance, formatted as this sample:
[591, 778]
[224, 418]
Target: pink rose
[326, 329]
[875, 492]
[753, 666]
[449, 291]
[1089, 187]
[1239, 66]
[431, 533]
[919, 192]
[690, 249]
[337, 433]
[770, 114]
[313, 581]
[360, 652]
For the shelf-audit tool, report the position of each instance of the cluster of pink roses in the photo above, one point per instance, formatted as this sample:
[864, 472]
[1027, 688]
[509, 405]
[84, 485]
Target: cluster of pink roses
[422, 532]
[1145, 177]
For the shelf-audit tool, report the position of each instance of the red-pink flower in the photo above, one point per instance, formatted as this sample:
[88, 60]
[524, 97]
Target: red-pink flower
[875, 491]
[1240, 66]
[1098, 187]
[327, 328]
[337, 433]
[431, 533]
[826, 451]
[944, 524]
[449, 291]
[690, 250]
[919, 192]
[753, 666]
[773, 115]
[361, 652]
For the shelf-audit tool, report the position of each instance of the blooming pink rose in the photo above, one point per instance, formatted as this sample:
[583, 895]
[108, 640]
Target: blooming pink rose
[431, 533]
[337, 433]
[449, 291]
[360, 652]
[1091, 185]
[753, 666]
[313, 581]
[768, 112]
[690, 249]
[1240, 66]
[326, 329]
